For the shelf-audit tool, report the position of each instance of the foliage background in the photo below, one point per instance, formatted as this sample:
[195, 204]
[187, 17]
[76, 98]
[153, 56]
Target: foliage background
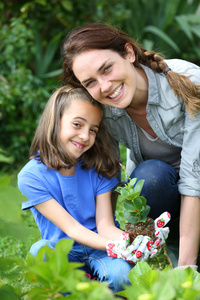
[31, 37]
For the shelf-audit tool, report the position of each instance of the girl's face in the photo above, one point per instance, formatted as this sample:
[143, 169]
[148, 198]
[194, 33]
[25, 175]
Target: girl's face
[108, 77]
[79, 126]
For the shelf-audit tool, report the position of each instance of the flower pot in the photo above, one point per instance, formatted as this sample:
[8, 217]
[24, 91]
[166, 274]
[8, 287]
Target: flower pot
[145, 229]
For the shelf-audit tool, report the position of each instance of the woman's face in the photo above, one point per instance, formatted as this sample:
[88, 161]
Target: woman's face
[108, 77]
[79, 126]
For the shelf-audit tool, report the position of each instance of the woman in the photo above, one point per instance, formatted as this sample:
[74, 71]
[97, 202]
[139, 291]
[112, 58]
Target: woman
[152, 107]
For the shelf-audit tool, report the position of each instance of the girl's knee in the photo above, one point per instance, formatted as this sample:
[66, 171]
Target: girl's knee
[118, 275]
[39, 244]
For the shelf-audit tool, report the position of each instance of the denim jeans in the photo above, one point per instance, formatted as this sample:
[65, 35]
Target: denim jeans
[160, 187]
[114, 271]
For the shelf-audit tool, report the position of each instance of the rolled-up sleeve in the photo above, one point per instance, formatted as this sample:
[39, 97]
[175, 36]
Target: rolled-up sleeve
[189, 183]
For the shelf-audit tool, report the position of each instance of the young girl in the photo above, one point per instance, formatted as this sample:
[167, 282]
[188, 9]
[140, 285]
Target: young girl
[152, 106]
[68, 183]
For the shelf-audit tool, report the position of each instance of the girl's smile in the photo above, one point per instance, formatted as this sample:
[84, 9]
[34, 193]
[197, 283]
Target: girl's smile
[78, 145]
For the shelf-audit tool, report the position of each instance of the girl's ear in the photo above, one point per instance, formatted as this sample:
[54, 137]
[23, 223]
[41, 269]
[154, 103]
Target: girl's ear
[130, 54]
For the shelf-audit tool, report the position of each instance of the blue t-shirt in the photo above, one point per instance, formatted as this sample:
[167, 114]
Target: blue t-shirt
[75, 193]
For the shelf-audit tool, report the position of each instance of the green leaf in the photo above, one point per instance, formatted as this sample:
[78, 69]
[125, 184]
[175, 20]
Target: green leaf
[132, 196]
[17, 230]
[165, 291]
[124, 193]
[130, 218]
[139, 185]
[7, 292]
[192, 294]
[138, 203]
[10, 201]
[144, 200]
[128, 205]
[158, 32]
[4, 158]
[132, 182]
[184, 25]
[137, 271]
[7, 263]
[144, 213]
[50, 51]
[142, 278]
[68, 6]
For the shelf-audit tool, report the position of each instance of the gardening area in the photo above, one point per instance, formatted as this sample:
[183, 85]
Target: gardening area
[31, 37]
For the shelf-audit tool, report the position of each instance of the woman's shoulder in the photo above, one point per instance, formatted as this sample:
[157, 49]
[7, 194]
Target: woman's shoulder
[182, 66]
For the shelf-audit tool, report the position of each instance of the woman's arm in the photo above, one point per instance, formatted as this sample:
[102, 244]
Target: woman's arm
[54, 212]
[104, 217]
[189, 230]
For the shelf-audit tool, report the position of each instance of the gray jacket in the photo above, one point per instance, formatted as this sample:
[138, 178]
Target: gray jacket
[168, 117]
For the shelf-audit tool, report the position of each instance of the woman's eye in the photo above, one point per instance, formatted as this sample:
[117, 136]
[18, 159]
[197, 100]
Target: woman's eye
[77, 125]
[89, 83]
[106, 69]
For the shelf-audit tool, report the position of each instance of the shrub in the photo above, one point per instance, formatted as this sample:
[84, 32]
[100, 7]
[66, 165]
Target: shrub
[23, 95]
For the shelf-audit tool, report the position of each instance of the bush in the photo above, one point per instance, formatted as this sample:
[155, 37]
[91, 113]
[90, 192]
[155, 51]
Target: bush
[23, 95]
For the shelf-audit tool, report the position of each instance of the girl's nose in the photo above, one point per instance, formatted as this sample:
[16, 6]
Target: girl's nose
[84, 135]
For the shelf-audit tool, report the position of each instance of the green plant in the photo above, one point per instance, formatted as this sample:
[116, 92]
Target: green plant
[4, 158]
[22, 94]
[136, 209]
[55, 275]
[168, 284]
[166, 26]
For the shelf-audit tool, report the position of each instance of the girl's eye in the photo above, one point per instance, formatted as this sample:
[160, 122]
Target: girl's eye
[94, 131]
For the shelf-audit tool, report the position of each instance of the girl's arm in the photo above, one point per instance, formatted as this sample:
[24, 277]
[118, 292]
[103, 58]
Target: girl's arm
[104, 217]
[54, 212]
[189, 230]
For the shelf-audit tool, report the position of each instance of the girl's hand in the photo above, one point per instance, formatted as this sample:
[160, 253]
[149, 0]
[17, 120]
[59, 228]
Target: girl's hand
[139, 250]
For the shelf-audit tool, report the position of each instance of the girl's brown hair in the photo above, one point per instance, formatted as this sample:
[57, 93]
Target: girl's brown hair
[47, 147]
[102, 36]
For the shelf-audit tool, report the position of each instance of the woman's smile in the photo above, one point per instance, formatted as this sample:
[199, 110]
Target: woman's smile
[117, 93]
[108, 77]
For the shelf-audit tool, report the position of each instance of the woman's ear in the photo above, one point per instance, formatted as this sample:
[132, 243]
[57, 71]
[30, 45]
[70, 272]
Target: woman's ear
[130, 54]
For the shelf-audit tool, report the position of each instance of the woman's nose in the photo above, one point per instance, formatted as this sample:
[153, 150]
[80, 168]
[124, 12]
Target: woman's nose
[105, 85]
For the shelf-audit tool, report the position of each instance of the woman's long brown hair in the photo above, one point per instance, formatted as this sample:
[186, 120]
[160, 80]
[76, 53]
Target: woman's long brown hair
[102, 36]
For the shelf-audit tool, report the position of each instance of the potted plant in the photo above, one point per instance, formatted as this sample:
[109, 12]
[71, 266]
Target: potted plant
[136, 210]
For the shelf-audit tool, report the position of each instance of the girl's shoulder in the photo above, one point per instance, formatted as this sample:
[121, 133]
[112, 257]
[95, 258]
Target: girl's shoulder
[33, 167]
